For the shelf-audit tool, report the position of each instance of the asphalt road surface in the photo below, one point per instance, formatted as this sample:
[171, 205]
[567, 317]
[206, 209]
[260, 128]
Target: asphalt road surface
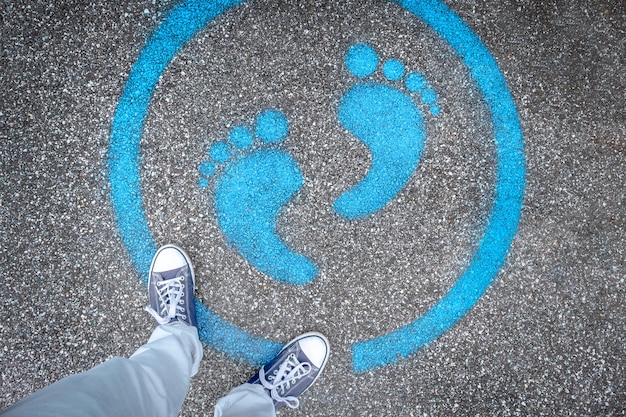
[438, 187]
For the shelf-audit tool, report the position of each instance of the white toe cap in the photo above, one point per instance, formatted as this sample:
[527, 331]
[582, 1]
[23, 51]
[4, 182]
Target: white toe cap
[169, 257]
[315, 347]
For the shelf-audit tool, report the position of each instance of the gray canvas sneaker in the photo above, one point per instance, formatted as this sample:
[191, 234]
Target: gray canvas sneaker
[171, 287]
[294, 369]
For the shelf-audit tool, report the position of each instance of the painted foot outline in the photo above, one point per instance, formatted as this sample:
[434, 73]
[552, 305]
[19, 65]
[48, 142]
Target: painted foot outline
[389, 122]
[253, 187]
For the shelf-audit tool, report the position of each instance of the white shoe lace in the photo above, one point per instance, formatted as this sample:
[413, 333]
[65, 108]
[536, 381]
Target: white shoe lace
[287, 374]
[170, 294]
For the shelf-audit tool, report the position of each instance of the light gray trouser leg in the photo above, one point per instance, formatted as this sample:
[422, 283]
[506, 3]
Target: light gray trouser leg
[247, 400]
[152, 382]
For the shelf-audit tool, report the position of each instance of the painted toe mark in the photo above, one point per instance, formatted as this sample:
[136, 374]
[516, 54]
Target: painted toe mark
[361, 60]
[241, 137]
[389, 122]
[272, 126]
[393, 69]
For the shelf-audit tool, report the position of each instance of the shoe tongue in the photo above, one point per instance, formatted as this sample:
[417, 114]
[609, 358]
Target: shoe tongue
[291, 364]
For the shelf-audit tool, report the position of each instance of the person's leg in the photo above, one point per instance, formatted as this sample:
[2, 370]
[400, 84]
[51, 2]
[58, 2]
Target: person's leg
[280, 381]
[153, 382]
[168, 362]
[155, 379]
[249, 400]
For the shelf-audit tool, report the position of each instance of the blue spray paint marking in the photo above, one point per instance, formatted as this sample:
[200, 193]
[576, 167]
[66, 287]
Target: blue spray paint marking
[361, 60]
[393, 69]
[240, 137]
[415, 82]
[181, 24]
[271, 126]
[504, 218]
[387, 120]
[249, 196]
[220, 152]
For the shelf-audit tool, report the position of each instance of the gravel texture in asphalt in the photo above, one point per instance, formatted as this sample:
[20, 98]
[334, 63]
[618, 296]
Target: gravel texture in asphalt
[545, 338]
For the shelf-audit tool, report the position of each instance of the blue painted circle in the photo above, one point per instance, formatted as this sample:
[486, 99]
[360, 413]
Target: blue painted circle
[185, 20]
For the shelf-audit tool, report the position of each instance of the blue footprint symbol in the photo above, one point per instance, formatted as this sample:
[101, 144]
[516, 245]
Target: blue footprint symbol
[389, 122]
[256, 182]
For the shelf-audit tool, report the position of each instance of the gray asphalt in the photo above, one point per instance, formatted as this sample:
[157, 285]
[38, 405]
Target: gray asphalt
[547, 337]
